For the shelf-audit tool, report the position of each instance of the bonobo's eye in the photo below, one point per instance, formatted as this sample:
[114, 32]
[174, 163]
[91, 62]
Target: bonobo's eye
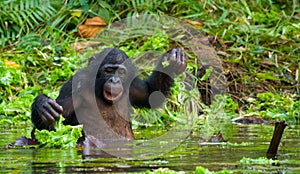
[121, 71]
[109, 70]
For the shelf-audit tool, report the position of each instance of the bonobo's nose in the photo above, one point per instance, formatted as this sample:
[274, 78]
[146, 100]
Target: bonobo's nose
[114, 80]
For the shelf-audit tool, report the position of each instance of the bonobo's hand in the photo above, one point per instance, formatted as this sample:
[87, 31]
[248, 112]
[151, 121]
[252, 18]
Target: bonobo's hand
[173, 62]
[47, 109]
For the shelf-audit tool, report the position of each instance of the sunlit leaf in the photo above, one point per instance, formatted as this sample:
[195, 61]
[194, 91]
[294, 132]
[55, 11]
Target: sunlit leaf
[76, 13]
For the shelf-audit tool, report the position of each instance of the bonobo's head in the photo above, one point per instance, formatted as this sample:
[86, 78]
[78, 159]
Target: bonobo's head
[114, 74]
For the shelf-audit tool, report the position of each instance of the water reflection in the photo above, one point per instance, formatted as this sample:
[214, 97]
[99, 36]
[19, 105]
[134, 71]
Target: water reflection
[186, 156]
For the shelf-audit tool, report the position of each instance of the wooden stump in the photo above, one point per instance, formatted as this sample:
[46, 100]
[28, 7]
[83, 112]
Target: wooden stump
[278, 131]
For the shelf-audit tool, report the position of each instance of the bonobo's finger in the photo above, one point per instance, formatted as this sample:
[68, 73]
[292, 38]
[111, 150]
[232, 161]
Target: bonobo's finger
[180, 62]
[44, 119]
[183, 62]
[52, 111]
[56, 106]
[177, 62]
[183, 59]
[178, 55]
[172, 59]
[178, 58]
[173, 55]
[47, 118]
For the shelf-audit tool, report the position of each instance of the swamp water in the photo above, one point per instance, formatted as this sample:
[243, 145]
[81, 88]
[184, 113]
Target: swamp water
[249, 141]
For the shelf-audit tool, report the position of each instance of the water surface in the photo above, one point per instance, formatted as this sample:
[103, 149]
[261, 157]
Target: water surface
[186, 157]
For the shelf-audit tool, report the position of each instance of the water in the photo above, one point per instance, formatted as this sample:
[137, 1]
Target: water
[186, 157]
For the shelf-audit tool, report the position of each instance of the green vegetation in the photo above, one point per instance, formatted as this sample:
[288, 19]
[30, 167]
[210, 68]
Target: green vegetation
[260, 161]
[199, 170]
[258, 164]
[63, 136]
[202, 170]
[258, 42]
[218, 117]
[275, 107]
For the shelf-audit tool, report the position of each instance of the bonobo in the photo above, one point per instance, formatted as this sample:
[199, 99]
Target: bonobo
[106, 89]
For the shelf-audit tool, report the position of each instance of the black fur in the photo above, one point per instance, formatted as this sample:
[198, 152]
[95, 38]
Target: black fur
[136, 90]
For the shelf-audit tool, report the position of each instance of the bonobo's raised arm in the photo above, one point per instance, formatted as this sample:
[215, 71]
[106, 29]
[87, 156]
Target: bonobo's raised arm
[161, 80]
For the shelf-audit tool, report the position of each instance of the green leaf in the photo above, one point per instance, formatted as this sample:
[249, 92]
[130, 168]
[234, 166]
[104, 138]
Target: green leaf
[267, 76]
[208, 71]
[76, 13]
[64, 136]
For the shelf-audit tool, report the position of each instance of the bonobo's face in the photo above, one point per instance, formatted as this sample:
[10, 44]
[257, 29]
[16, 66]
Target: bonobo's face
[115, 76]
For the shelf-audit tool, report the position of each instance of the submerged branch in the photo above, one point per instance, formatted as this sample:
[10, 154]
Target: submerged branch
[278, 131]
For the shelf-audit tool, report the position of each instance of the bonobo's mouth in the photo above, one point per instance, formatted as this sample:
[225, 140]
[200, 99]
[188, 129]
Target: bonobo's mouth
[112, 95]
